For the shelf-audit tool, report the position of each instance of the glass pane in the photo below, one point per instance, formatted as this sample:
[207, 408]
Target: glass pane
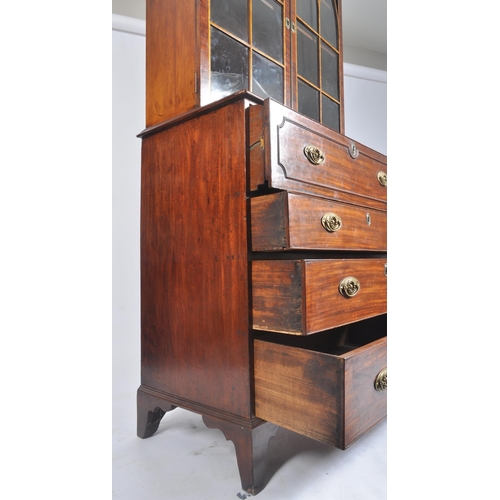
[308, 101]
[229, 65]
[307, 48]
[307, 10]
[331, 114]
[329, 22]
[231, 15]
[267, 25]
[267, 78]
[329, 71]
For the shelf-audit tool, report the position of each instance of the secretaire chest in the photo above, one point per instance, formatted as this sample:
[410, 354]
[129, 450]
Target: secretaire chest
[263, 231]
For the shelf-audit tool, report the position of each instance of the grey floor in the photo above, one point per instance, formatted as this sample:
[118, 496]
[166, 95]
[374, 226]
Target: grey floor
[186, 460]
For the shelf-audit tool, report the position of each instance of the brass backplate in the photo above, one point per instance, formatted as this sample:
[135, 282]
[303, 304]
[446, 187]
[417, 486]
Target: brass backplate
[331, 222]
[314, 155]
[349, 287]
[382, 178]
[381, 380]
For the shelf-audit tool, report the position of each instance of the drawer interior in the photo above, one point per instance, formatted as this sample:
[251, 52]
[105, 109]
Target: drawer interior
[337, 341]
[323, 385]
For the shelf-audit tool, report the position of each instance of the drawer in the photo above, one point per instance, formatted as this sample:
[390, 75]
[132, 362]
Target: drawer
[328, 387]
[305, 296]
[290, 151]
[286, 221]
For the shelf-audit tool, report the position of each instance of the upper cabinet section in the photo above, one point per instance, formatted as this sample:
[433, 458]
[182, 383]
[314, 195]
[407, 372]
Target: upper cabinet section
[247, 48]
[198, 51]
[318, 61]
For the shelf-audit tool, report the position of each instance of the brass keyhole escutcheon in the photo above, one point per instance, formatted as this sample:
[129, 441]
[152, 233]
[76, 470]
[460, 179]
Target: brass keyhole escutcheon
[381, 380]
[349, 287]
[382, 178]
[331, 222]
[314, 155]
[353, 150]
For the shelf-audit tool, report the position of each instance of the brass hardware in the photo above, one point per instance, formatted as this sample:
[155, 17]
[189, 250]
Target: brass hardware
[353, 150]
[368, 219]
[385, 270]
[349, 287]
[382, 178]
[381, 380]
[331, 222]
[259, 143]
[287, 23]
[314, 155]
[293, 27]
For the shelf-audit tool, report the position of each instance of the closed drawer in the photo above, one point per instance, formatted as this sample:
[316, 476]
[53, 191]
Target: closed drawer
[294, 153]
[305, 296]
[285, 221]
[328, 387]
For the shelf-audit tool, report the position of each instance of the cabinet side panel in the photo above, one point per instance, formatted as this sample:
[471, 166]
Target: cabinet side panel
[171, 59]
[194, 267]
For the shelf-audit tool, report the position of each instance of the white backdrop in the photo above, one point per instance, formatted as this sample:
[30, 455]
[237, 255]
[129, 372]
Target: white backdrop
[365, 121]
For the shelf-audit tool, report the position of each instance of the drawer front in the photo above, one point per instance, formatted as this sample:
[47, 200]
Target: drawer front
[301, 297]
[326, 397]
[303, 156]
[285, 221]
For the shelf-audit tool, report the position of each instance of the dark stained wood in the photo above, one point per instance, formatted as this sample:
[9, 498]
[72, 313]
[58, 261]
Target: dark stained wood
[302, 297]
[277, 301]
[194, 268]
[255, 143]
[215, 174]
[338, 177]
[251, 450]
[269, 222]
[363, 406]
[285, 221]
[150, 411]
[310, 392]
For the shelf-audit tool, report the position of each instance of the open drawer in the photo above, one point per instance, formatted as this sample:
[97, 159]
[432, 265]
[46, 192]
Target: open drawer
[305, 296]
[287, 221]
[330, 386]
[290, 151]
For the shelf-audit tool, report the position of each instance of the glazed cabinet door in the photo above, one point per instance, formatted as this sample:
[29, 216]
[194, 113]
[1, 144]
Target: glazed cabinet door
[317, 74]
[249, 48]
[199, 51]
[288, 50]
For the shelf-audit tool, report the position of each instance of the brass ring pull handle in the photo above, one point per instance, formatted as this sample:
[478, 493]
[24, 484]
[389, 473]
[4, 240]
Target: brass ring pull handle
[382, 178]
[314, 155]
[349, 287]
[381, 380]
[331, 222]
